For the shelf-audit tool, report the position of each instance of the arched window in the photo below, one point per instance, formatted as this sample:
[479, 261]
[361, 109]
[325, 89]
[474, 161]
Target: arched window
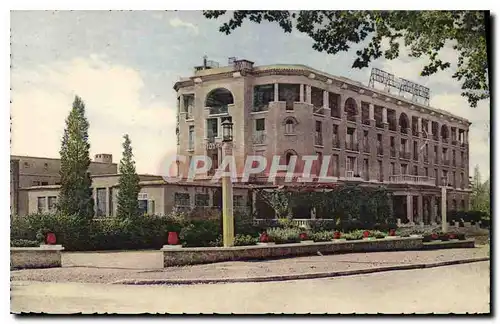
[290, 123]
[288, 156]
[218, 100]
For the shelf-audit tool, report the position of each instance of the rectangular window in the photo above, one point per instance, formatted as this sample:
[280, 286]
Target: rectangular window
[260, 124]
[40, 205]
[462, 183]
[101, 202]
[351, 164]
[335, 167]
[181, 199]
[110, 202]
[366, 170]
[45, 183]
[212, 128]
[318, 140]
[393, 168]
[143, 207]
[335, 137]
[188, 105]
[191, 138]
[201, 200]
[366, 145]
[334, 104]
[404, 168]
[262, 96]
[35, 183]
[436, 176]
[415, 170]
[238, 201]
[380, 171]
[426, 171]
[52, 203]
[453, 177]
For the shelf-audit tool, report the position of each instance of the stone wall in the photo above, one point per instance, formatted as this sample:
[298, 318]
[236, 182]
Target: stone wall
[35, 257]
[186, 256]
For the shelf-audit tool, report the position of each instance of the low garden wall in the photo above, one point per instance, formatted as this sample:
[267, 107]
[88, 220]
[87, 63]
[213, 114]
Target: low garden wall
[35, 257]
[185, 256]
[454, 244]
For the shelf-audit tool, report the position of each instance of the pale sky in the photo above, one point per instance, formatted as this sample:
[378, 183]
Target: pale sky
[124, 64]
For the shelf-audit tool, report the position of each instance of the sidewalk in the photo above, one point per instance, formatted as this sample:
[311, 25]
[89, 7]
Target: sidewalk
[303, 267]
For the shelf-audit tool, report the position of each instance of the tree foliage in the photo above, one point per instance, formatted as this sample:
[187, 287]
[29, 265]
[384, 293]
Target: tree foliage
[423, 33]
[128, 184]
[75, 197]
[480, 197]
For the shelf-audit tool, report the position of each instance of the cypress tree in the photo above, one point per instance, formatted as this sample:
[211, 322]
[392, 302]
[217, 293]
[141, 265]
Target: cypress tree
[75, 197]
[128, 185]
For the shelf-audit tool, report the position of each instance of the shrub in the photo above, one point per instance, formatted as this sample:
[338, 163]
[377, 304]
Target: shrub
[24, 243]
[284, 235]
[320, 225]
[351, 225]
[356, 235]
[322, 236]
[217, 243]
[200, 233]
[244, 240]
[378, 234]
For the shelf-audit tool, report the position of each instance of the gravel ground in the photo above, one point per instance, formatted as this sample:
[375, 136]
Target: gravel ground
[240, 269]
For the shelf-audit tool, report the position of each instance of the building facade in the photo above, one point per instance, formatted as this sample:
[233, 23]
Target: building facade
[371, 136]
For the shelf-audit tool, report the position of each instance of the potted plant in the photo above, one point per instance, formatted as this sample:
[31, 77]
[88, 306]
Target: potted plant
[337, 235]
[173, 238]
[444, 237]
[452, 236]
[434, 236]
[304, 238]
[392, 232]
[366, 235]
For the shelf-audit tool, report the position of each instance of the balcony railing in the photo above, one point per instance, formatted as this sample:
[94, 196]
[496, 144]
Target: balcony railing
[351, 118]
[304, 223]
[352, 174]
[412, 179]
[218, 110]
[454, 142]
[404, 155]
[259, 138]
[352, 146]
[446, 162]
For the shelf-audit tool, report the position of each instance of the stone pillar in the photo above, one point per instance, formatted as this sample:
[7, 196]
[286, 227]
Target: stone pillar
[254, 203]
[420, 208]
[429, 128]
[384, 115]
[308, 93]
[409, 207]
[371, 112]
[276, 92]
[302, 92]
[342, 135]
[325, 99]
[108, 212]
[419, 125]
[433, 209]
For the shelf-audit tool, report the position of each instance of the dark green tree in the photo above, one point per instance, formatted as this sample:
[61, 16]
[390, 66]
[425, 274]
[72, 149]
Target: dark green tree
[75, 197]
[421, 32]
[128, 185]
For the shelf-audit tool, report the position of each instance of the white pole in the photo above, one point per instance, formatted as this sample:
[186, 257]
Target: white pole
[444, 221]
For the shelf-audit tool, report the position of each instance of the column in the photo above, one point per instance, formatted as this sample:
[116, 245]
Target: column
[429, 129]
[433, 210]
[227, 204]
[302, 92]
[419, 125]
[444, 221]
[108, 212]
[371, 112]
[409, 207]
[308, 93]
[384, 115]
[342, 135]
[420, 208]
[276, 92]
[325, 99]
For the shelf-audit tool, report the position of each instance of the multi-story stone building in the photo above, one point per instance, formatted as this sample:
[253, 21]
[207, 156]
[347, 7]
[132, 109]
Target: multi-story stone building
[373, 137]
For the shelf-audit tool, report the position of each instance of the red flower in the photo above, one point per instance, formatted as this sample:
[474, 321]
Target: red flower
[434, 236]
[303, 236]
[336, 235]
[392, 232]
[366, 233]
[264, 237]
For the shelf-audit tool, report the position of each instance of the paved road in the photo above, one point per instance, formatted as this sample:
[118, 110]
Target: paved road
[451, 289]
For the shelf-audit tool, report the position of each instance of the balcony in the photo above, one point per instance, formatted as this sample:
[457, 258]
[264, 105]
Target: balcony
[216, 110]
[351, 118]
[366, 148]
[404, 155]
[446, 162]
[412, 179]
[259, 138]
[351, 146]
[380, 150]
[393, 152]
[454, 142]
[352, 174]
[454, 162]
[426, 159]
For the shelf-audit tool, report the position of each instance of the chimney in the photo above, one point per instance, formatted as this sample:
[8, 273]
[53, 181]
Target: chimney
[103, 158]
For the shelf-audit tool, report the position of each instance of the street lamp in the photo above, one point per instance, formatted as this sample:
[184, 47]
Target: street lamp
[444, 221]
[227, 188]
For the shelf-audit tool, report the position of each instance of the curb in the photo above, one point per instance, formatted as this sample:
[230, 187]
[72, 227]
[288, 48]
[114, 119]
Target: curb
[295, 276]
